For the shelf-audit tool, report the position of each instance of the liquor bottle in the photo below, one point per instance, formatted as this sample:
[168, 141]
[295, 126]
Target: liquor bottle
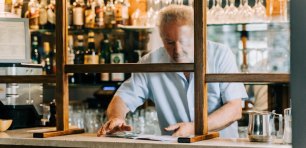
[117, 57]
[125, 12]
[33, 14]
[118, 12]
[35, 55]
[78, 14]
[51, 14]
[99, 14]
[70, 14]
[43, 16]
[17, 7]
[53, 58]
[109, 16]
[105, 58]
[70, 58]
[91, 57]
[79, 57]
[90, 14]
[48, 59]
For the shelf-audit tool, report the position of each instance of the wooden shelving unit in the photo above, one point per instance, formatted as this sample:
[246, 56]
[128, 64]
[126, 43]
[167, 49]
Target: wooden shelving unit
[199, 68]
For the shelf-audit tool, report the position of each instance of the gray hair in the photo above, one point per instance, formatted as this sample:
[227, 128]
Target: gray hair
[176, 13]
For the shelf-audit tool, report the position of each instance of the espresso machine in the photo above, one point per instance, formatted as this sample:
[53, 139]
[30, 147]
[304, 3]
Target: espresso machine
[20, 101]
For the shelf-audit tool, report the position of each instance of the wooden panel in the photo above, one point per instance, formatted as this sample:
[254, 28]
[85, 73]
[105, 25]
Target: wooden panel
[201, 110]
[27, 79]
[127, 68]
[198, 138]
[61, 95]
[259, 77]
[57, 133]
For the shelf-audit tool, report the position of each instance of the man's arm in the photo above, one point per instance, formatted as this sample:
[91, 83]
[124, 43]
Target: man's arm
[218, 120]
[116, 113]
[225, 115]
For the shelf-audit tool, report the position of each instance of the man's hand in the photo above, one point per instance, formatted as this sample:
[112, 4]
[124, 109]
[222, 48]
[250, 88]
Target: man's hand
[183, 129]
[112, 126]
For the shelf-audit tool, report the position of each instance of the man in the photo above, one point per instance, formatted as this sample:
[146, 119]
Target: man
[173, 93]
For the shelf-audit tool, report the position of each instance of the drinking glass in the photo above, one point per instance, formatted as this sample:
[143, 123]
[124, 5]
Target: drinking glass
[230, 12]
[210, 12]
[245, 11]
[287, 138]
[218, 13]
[259, 11]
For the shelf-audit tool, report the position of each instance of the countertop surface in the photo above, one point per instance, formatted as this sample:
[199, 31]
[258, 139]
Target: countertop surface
[25, 137]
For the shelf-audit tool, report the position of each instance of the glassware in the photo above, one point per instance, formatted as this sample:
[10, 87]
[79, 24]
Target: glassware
[245, 11]
[230, 12]
[259, 12]
[287, 138]
[218, 14]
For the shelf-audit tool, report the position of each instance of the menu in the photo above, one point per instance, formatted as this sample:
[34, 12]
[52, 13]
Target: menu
[12, 40]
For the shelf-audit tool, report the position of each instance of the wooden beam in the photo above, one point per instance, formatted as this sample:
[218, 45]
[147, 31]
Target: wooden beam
[128, 68]
[61, 95]
[241, 77]
[57, 133]
[28, 79]
[200, 106]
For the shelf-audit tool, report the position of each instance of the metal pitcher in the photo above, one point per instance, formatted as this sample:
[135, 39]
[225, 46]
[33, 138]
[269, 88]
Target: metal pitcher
[262, 126]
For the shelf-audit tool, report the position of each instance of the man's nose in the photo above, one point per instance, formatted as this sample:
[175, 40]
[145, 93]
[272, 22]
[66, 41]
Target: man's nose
[178, 47]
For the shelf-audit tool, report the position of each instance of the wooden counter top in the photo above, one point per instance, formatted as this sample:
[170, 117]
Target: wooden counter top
[23, 137]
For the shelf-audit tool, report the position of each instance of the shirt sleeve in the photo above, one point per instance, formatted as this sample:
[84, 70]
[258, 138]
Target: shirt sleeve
[227, 64]
[134, 91]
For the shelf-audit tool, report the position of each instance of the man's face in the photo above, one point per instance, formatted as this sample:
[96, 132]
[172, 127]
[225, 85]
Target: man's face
[178, 39]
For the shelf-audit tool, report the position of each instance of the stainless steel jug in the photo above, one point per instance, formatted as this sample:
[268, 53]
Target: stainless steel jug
[262, 126]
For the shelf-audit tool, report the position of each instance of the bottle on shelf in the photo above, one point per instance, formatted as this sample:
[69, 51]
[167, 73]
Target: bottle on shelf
[70, 58]
[90, 14]
[33, 14]
[48, 59]
[122, 12]
[78, 14]
[70, 13]
[43, 15]
[91, 57]
[17, 7]
[51, 14]
[35, 55]
[99, 14]
[53, 55]
[117, 57]
[105, 58]
[79, 57]
[109, 15]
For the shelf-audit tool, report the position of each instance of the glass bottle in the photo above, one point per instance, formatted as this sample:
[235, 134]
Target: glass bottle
[109, 17]
[117, 57]
[125, 12]
[105, 58]
[17, 7]
[70, 14]
[91, 57]
[78, 14]
[79, 56]
[48, 59]
[35, 55]
[33, 14]
[90, 14]
[118, 12]
[43, 16]
[99, 14]
[51, 15]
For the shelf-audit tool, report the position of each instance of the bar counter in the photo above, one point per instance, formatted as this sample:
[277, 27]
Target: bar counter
[23, 138]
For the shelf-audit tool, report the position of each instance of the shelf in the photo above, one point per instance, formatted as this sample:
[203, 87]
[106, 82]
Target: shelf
[75, 31]
[251, 23]
[28, 79]
[251, 77]
[128, 68]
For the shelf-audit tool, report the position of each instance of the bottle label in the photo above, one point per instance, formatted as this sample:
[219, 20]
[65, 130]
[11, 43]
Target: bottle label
[117, 58]
[43, 16]
[99, 16]
[78, 18]
[89, 18]
[125, 12]
[118, 12]
[34, 19]
[91, 59]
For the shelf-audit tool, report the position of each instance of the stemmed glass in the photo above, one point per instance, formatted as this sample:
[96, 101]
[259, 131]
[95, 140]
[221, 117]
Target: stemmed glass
[245, 11]
[259, 11]
[218, 13]
[210, 12]
[230, 12]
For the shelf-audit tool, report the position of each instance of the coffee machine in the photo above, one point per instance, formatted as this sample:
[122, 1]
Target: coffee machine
[20, 101]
